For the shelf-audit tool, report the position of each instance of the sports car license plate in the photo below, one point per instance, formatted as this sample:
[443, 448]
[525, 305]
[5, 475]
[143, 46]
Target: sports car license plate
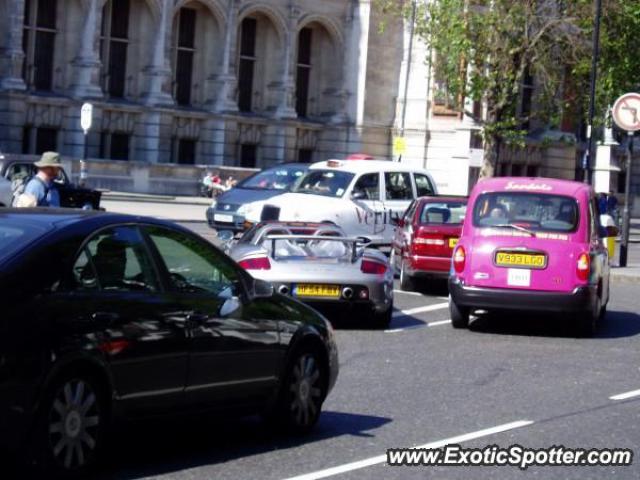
[314, 290]
[513, 259]
[218, 217]
[453, 242]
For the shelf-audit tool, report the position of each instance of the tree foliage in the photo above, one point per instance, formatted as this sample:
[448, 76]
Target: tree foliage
[619, 60]
[486, 48]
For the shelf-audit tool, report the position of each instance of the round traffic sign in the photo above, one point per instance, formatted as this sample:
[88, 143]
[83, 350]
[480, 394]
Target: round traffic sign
[86, 116]
[626, 112]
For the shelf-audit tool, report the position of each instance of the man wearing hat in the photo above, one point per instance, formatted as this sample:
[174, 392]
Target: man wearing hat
[42, 185]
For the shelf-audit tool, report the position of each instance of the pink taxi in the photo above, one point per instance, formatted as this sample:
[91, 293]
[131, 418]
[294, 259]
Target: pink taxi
[531, 244]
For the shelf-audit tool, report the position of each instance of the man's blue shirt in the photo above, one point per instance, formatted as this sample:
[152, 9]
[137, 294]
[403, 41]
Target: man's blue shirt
[46, 193]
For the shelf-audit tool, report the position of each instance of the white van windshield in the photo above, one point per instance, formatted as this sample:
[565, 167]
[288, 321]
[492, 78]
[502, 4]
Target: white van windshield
[328, 183]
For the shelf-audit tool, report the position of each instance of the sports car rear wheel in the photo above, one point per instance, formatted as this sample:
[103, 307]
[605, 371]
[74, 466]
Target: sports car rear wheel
[382, 320]
[406, 281]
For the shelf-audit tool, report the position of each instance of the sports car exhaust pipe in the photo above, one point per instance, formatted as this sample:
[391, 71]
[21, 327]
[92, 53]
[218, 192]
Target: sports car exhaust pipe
[347, 292]
[283, 290]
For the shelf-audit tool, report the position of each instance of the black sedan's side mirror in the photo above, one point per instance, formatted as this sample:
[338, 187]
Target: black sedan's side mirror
[262, 289]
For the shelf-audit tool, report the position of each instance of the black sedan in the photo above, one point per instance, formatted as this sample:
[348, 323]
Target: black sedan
[108, 316]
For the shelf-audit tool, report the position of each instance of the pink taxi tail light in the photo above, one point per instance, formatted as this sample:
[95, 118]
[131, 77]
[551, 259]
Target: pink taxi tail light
[583, 267]
[459, 259]
[258, 263]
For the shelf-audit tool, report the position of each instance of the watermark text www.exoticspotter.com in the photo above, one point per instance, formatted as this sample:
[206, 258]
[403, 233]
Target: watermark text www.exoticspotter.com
[514, 456]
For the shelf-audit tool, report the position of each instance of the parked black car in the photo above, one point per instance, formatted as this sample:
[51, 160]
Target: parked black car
[108, 316]
[71, 195]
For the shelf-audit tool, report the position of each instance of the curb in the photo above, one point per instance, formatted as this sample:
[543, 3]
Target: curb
[624, 278]
[159, 199]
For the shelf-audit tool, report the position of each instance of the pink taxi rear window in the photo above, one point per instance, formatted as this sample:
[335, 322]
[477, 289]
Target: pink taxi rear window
[538, 212]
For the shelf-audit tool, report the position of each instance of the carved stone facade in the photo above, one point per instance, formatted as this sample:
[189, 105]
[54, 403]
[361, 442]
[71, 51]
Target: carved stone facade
[135, 77]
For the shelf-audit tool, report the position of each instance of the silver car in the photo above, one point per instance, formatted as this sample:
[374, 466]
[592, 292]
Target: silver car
[6, 196]
[317, 264]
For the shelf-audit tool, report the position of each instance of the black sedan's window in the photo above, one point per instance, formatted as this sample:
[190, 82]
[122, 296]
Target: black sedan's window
[120, 262]
[194, 266]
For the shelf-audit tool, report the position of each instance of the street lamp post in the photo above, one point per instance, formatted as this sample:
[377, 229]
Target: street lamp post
[592, 93]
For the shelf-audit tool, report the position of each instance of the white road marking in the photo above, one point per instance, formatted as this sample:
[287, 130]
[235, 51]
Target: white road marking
[414, 327]
[416, 294]
[413, 311]
[441, 322]
[349, 467]
[624, 396]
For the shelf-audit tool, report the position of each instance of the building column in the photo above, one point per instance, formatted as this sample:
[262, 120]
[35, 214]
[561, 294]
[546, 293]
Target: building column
[224, 83]
[287, 83]
[158, 72]
[87, 63]
[11, 54]
[355, 65]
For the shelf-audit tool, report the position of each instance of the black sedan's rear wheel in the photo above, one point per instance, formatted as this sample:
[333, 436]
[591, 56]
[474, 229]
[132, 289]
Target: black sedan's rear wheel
[304, 391]
[71, 426]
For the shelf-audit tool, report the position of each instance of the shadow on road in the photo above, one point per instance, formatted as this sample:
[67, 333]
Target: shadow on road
[149, 449]
[432, 286]
[615, 325]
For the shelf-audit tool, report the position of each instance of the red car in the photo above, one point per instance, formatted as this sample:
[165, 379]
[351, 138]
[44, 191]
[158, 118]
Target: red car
[425, 238]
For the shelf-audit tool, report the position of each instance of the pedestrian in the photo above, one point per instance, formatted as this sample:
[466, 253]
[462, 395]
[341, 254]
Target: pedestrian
[42, 185]
[602, 203]
[612, 207]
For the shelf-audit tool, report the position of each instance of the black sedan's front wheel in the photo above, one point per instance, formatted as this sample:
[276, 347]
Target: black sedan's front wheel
[71, 426]
[304, 391]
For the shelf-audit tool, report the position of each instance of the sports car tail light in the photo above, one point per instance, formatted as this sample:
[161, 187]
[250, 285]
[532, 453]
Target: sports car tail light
[583, 267]
[373, 267]
[257, 263]
[459, 259]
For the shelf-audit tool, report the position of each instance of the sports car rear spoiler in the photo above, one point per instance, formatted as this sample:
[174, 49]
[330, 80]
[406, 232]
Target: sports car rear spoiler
[354, 241]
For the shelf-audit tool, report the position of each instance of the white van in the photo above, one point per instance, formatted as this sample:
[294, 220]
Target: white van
[361, 196]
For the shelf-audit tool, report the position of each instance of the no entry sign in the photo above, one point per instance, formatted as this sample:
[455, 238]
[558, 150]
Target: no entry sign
[626, 112]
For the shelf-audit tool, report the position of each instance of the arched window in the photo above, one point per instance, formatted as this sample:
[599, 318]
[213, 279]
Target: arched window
[303, 71]
[246, 64]
[260, 63]
[196, 53]
[38, 41]
[114, 43]
[185, 48]
[318, 72]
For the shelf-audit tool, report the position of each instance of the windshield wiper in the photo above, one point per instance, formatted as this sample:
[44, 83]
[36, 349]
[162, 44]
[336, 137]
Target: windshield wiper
[515, 227]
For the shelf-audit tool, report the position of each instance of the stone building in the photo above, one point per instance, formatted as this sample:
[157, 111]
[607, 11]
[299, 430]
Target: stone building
[244, 83]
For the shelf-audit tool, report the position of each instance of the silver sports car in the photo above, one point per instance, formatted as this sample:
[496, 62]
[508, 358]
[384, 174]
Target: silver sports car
[317, 264]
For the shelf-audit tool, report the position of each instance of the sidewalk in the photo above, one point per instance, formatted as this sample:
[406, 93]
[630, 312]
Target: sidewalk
[630, 274]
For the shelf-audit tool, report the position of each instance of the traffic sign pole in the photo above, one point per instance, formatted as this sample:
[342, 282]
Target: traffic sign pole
[626, 114]
[626, 212]
[86, 119]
